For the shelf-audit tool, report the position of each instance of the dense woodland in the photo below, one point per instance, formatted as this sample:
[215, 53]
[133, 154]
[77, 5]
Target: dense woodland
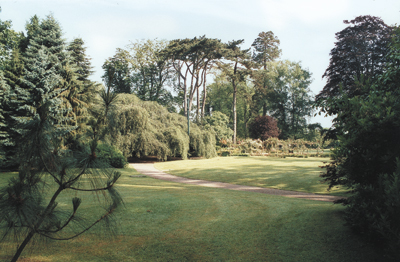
[55, 119]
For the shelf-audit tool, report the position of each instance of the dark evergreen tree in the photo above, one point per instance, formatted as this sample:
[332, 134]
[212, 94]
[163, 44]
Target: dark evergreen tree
[81, 90]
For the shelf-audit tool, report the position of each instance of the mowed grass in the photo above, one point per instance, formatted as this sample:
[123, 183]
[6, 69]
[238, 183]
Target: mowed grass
[296, 174]
[164, 221]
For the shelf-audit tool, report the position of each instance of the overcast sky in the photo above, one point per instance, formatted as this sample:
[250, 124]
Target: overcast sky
[306, 28]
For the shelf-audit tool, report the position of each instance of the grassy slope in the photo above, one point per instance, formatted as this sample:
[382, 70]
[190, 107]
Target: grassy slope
[297, 174]
[163, 221]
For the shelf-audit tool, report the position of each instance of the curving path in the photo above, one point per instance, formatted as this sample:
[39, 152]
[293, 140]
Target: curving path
[148, 169]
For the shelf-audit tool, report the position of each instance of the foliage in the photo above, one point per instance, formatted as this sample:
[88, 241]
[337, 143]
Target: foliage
[108, 154]
[266, 48]
[142, 128]
[361, 50]
[9, 40]
[374, 210]
[236, 68]
[264, 127]
[4, 137]
[219, 124]
[153, 77]
[44, 161]
[289, 100]
[193, 59]
[117, 72]
[368, 128]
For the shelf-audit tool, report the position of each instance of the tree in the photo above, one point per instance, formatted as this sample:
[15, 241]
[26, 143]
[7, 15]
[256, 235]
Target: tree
[121, 76]
[366, 160]
[9, 40]
[236, 68]
[4, 136]
[360, 50]
[192, 60]
[153, 76]
[45, 160]
[289, 100]
[81, 90]
[266, 49]
[263, 127]
[46, 98]
[219, 124]
[12, 100]
[142, 128]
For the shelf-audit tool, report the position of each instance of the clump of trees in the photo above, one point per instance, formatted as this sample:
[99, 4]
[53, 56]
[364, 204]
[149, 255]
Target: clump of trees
[45, 134]
[364, 95]
[246, 83]
[63, 132]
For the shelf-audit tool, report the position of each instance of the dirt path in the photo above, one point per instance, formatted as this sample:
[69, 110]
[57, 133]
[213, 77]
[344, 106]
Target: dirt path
[148, 169]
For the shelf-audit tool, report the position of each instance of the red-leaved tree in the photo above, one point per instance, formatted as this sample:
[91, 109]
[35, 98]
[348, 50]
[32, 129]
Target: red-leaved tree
[264, 127]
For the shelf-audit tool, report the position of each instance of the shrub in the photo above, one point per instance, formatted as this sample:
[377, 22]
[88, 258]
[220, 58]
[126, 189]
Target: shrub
[110, 155]
[374, 210]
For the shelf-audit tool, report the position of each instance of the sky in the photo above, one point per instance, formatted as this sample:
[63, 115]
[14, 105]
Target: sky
[306, 29]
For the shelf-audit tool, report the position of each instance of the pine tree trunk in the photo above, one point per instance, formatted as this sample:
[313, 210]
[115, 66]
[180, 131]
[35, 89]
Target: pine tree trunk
[22, 246]
[37, 224]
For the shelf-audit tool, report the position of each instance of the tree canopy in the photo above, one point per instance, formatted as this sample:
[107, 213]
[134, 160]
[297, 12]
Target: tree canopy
[360, 52]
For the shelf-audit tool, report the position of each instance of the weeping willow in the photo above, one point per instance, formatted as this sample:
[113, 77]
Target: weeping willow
[142, 128]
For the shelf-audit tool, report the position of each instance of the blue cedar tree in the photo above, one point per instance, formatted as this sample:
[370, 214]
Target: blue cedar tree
[15, 97]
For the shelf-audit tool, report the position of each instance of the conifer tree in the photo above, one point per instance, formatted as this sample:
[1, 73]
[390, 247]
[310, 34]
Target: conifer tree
[4, 138]
[15, 97]
[83, 69]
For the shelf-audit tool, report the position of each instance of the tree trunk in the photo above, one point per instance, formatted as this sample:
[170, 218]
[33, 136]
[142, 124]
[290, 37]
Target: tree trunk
[37, 224]
[234, 113]
[203, 105]
[22, 246]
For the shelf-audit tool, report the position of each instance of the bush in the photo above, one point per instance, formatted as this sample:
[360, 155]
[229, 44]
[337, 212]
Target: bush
[375, 210]
[111, 155]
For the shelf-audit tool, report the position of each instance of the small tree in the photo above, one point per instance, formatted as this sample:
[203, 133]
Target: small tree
[264, 127]
[45, 162]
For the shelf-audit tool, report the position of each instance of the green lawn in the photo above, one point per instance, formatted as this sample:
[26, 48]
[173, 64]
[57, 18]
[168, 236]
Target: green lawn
[297, 174]
[164, 221]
